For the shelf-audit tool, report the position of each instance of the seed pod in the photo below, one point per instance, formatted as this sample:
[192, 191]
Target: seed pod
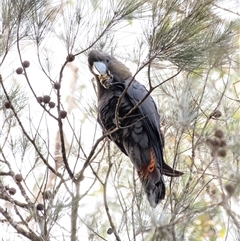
[219, 133]
[213, 192]
[230, 189]
[222, 152]
[109, 231]
[12, 191]
[216, 114]
[40, 99]
[26, 64]
[7, 105]
[19, 70]
[57, 85]
[46, 99]
[51, 104]
[40, 207]
[18, 177]
[62, 114]
[70, 57]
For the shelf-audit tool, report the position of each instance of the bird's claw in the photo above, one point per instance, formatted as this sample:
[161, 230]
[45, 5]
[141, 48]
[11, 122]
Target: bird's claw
[106, 80]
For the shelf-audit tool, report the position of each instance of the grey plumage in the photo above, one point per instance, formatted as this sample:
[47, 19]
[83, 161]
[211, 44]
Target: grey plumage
[139, 137]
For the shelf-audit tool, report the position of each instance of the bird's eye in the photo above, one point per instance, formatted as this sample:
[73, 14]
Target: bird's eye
[107, 60]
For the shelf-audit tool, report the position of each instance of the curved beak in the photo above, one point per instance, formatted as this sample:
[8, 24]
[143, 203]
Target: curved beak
[99, 68]
[105, 78]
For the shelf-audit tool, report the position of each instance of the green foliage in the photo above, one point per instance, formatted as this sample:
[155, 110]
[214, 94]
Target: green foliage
[191, 36]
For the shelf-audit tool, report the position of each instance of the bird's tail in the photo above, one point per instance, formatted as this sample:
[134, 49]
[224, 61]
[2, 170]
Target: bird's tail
[152, 179]
[155, 191]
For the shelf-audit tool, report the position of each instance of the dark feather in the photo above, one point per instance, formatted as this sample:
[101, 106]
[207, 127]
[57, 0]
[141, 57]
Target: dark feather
[139, 136]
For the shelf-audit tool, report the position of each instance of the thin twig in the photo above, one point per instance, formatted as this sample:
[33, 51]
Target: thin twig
[106, 203]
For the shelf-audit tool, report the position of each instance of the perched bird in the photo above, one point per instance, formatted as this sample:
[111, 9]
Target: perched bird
[129, 114]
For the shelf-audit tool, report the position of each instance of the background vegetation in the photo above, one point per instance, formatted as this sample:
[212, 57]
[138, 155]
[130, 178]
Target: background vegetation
[60, 179]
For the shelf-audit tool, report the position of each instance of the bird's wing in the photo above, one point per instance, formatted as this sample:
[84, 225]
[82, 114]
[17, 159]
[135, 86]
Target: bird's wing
[148, 110]
[151, 122]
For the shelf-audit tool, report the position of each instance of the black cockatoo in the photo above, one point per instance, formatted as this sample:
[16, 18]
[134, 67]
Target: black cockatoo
[139, 135]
